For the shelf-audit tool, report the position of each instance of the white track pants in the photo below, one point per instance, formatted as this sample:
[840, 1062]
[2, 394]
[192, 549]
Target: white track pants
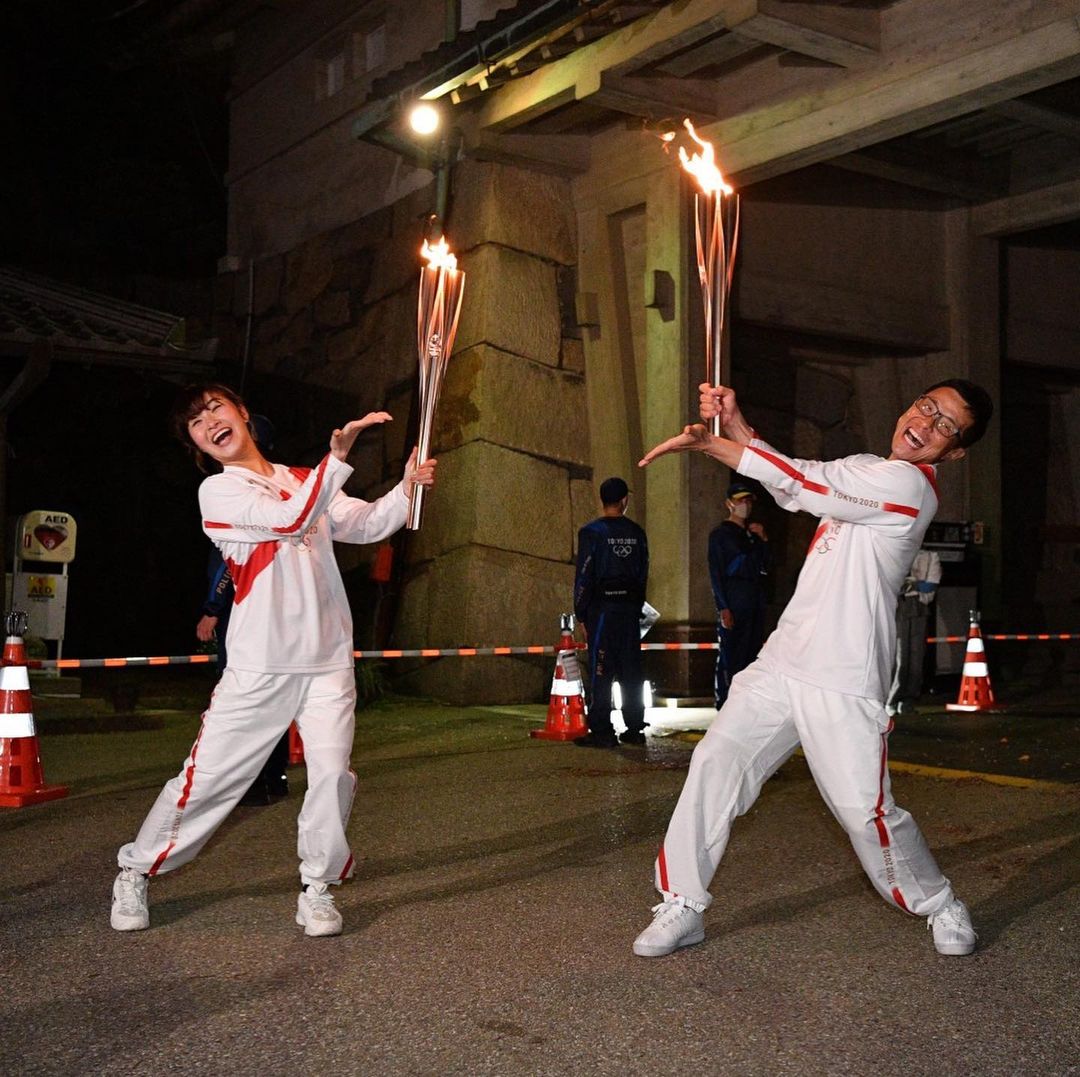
[247, 715]
[844, 739]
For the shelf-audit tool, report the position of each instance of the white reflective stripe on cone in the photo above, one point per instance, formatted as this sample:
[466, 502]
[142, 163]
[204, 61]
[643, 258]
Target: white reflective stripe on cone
[16, 725]
[975, 669]
[565, 688]
[975, 644]
[14, 679]
[569, 662]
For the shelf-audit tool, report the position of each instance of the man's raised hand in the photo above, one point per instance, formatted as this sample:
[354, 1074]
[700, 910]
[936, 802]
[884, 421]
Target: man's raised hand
[693, 438]
[341, 441]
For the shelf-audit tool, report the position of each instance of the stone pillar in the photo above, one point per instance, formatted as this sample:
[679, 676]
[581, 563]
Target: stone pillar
[492, 564]
[973, 286]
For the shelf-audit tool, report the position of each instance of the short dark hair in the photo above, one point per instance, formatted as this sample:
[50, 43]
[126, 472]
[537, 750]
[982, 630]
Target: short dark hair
[188, 403]
[978, 403]
[613, 490]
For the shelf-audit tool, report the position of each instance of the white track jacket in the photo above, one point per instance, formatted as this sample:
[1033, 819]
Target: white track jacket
[276, 534]
[839, 631]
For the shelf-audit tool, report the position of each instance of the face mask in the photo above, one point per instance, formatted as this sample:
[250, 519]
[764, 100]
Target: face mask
[740, 509]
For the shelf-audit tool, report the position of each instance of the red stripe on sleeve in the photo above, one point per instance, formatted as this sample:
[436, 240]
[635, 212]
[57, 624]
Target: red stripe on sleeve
[787, 469]
[295, 525]
[931, 476]
[905, 510]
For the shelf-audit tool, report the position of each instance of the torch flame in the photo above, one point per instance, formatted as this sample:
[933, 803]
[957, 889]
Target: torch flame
[702, 166]
[439, 255]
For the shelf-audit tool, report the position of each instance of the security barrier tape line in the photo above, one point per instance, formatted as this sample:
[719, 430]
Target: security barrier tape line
[458, 652]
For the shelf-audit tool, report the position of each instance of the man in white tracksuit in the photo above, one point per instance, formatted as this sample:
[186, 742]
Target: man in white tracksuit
[822, 677]
[290, 652]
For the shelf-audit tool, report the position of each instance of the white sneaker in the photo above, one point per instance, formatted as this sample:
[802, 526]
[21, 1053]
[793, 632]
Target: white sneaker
[129, 908]
[315, 911]
[953, 933]
[674, 924]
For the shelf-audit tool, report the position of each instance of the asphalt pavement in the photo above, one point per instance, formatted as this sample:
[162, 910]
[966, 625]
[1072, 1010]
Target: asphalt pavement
[500, 883]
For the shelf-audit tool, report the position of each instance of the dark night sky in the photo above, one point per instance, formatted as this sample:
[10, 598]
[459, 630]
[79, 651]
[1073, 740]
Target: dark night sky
[115, 143]
[115, 147]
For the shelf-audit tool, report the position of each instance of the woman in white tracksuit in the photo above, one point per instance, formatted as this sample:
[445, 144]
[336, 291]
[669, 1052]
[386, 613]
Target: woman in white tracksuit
[290, 651]
[822, 678]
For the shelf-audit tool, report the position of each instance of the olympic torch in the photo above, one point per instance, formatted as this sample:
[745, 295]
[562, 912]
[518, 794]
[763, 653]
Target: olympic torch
[716, 229]
[437, 311]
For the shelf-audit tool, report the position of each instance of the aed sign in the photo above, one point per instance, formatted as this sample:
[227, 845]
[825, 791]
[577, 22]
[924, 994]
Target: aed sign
[47, 536]
[41, 586]
[44, 598]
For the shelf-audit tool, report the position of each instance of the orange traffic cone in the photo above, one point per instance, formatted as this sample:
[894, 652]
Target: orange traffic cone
[296, 746]
[22, 781]
[976, 694]
[566, 708]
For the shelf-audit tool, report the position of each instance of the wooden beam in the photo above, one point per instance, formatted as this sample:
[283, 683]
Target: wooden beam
[1023, 212]
[826, 310]
[821, 31]
[721, 49]
[658, 98]
[859, 24]
[578, 75]
[941, 171]
[1051, 120]
[561, 155]
[683, 39]
[867, 108]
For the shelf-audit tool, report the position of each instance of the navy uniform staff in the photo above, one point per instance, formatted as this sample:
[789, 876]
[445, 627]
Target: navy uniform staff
[912, 612]
[739, 562]
[609, 591]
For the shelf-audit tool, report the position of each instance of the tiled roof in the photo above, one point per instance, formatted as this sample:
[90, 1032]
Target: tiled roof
[430, 65]
[35, 308]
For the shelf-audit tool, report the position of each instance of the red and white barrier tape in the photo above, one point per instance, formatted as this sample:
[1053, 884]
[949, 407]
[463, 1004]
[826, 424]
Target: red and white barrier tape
[1007, 635]
[454, 652]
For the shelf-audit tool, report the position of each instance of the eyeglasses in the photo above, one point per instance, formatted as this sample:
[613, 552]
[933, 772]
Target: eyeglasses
[942, 423]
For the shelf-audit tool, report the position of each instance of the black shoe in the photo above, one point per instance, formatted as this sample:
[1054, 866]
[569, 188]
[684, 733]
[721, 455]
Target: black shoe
[597, 740]
[278, 787]
[257, 796]
[632, 736]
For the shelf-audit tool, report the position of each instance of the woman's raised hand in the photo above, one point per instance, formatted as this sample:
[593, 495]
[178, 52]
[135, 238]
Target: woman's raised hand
[341, 441]
[419, 475]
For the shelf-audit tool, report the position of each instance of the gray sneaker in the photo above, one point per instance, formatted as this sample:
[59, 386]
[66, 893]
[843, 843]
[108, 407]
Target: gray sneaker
[129, 908]
[315, 911]
[674, 924]
[953, 934]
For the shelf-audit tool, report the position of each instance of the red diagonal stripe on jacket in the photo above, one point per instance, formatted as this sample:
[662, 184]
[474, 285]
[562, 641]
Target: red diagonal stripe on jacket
[244, 576]
[791, 472]
[302, 517]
